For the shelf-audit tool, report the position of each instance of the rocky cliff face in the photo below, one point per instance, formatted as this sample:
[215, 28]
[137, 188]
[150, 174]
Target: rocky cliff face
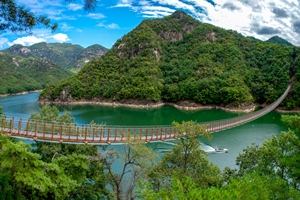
[181, 24]
[151, 34]
[171, 36]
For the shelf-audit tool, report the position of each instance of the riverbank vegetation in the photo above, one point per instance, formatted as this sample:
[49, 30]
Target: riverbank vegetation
[178, 58]
[67, 171]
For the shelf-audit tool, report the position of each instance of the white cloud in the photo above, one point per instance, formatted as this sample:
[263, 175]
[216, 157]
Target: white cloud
[73, 6]
[27, 40]
[54, 9]
[44, 33]
[144, 3]
[96, 15]
[124, 3]
[60, 37]
[261, 19]
[38, 5]
[149, 10]
[156, 11]
[40, 35]
[158, 8]
[62, 17]
[112, 26]
[176, 4]
[154, 14]
[3, 42]
[129, 4]
[109, 26]
[255, 18]
[65, 27]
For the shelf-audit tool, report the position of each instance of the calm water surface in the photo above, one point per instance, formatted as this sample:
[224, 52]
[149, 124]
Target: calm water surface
[235, 139]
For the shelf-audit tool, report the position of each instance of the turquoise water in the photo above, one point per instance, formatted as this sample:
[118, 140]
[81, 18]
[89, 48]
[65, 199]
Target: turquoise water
[235, 139]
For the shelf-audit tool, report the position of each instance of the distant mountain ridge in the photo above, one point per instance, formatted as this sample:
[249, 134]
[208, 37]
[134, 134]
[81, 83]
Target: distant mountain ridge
[65, 55]
[19, 74]
[278, 40]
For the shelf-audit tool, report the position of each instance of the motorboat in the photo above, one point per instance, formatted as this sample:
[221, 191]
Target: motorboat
[221, 150]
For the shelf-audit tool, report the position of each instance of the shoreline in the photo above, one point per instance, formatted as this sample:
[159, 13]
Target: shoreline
[19, 93]
[187, 106]
[296, 111]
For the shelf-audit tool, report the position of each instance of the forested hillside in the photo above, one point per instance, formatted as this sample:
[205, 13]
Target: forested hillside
[65, 55]
[178, 58]
[279, 40]
[18, 74]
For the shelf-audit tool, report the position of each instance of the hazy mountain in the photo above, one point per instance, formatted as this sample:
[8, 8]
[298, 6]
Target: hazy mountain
[18, 74]
[66, 55]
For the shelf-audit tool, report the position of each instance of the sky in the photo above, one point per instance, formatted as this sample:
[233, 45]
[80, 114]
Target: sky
[112, 19]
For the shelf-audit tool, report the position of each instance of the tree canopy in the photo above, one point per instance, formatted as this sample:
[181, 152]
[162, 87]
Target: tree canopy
[64, 171]
[186, 159]
[270, 171]
[51, 114]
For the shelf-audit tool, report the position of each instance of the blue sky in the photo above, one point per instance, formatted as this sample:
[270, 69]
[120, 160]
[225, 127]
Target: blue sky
[114, 18]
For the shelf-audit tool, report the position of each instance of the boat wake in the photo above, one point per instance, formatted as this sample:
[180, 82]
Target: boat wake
[210, 149]
[168, 146]
[207, 148]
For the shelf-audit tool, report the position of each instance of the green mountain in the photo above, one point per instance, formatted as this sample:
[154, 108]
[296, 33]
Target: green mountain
[278, 40]
[87, 54]
[178, 58]
[65, 55]
[18, 74]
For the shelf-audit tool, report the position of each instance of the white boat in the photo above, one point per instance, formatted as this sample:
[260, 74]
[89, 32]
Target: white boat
[221, 150]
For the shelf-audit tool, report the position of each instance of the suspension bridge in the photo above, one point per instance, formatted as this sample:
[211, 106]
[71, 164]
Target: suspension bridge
[102, 134]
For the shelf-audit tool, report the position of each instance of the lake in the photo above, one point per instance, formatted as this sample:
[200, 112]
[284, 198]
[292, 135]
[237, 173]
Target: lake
[234, 139]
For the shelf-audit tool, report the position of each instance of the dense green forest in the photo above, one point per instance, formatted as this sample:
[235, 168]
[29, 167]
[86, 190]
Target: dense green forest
[35, 67]
[65, 55]
[178, 58]
[19, 74]
[69, 171]
[279, 40]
